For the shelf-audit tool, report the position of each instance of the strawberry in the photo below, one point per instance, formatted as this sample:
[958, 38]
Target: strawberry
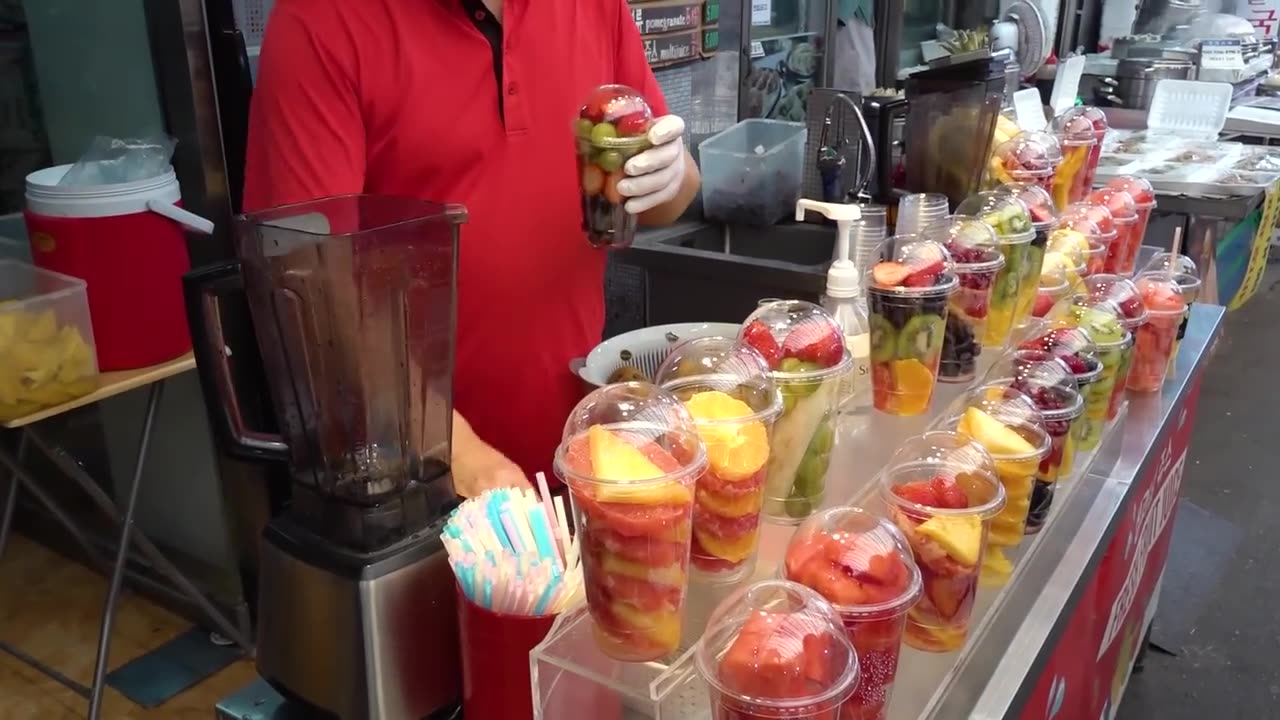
[919, 492]
[1044, 303]
[925, 275]
[758, 336]
[814, 341]
[949, 493]
[633, 125]
[890, 274]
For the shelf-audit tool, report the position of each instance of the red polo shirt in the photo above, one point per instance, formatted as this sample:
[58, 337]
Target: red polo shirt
[434, 99]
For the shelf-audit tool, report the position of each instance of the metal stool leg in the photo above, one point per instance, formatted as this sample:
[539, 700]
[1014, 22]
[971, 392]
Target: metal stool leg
[11, 497]
[122, 557]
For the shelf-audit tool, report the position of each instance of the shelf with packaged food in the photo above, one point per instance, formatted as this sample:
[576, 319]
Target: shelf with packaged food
[1078, 593]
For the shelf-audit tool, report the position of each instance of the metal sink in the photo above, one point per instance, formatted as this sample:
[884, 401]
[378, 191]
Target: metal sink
[708, 272]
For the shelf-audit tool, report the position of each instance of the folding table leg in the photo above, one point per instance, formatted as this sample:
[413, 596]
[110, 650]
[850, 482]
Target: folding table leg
[122, 556]
[11, 495]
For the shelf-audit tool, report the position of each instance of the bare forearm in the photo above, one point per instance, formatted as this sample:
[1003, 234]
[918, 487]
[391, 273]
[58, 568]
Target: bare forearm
[670, 211]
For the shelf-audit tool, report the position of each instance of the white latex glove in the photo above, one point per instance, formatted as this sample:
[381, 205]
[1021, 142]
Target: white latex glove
[654, 176]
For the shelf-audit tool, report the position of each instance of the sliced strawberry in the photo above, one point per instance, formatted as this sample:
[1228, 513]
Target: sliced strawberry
[815, 341]
[1044, 303]
[758, 336]
[919, 492]
[633, 125]
[890, 274]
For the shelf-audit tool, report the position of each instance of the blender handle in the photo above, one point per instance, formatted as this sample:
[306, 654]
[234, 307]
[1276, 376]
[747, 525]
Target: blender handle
[212, 353]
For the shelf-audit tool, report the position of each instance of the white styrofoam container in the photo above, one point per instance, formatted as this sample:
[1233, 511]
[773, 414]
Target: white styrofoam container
[1190, 106]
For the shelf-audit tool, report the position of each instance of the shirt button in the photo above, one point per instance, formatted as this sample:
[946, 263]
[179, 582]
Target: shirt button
[479, 15]
[512, 89]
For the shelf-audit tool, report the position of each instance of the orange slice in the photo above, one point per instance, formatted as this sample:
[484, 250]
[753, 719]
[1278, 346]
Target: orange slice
[913, 383]
[735, 451]
[735, 550]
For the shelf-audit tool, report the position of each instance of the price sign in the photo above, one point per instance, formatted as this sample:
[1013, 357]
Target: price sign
[761, 12]
[757, 49]
[662, 50]
[1224, 54]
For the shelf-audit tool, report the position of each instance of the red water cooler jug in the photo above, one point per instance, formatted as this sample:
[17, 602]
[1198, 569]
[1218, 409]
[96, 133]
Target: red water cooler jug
[126, 240]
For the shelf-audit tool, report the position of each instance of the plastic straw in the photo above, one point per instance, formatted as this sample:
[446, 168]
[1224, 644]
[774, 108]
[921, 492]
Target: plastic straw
[1177, 248]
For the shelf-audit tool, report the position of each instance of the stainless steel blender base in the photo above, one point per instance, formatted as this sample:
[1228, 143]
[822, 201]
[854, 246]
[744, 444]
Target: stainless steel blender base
[362, 638]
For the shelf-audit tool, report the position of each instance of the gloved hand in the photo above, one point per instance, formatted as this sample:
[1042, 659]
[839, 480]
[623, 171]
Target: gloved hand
[654, 176]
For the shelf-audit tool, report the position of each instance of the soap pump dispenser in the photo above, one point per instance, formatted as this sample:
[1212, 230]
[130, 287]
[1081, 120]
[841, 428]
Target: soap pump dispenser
[844, 300]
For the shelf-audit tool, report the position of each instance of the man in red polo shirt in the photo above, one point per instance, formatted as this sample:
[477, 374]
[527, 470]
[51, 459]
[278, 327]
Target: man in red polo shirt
[472, 101]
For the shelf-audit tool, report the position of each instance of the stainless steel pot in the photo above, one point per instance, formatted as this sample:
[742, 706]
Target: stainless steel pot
[1136, 79]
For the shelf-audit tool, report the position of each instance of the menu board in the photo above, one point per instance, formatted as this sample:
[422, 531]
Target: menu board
[677, 31]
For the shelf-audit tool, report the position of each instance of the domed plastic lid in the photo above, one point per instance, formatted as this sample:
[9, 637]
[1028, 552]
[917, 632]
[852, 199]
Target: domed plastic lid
[1059, 264]
[799, 340]
[1161, 295]
[1004, 212]
[1183, 270]
[1097, 215]
[1068, 343]
[721, 365]
[1144, 196]
[1001, 419]
[971, 243]
[1044, 378]
[942, 473]
[861, 563]
[920, 268]
[1074, 244]
[1124, 210]
[777, 649]
[629, 442]
[1027, 156]
[1081, 125]
[1053, 277]
[1102, 320]
[1122, 293]
[614, 116]
[1039, 203]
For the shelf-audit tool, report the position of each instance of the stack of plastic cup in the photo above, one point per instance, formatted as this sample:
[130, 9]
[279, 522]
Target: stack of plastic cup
[1051, 385]
[728, 389]
[612, 127]
[1030, 157]
[867, 237]
[1154, 341]
[777, 649]
[942, 493]
[1087, 217]
[1121, 293]
[1124, 212]
[1080, 131]
[1044, 220]
[1074, 347]
[920, 211]
[805, 350]
[863, 565]
[1011, 220]
[630, 456]
[977, 259]
[1185, 273]
[1007, 424]
[907, 304]
[1144, 199]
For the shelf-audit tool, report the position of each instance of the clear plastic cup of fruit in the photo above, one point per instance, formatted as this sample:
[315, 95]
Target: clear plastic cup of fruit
[1124, 212]
[1029, 157]
[1075, 246]
[1104, 323]
[1055, 287]
[907, 303]
[1074, 347]
[612, 127]
[977, 260]
[863, 566]
[806, 353]
[1153, 341]
[942, 493]
[1185, 273]
[1096, 223]
[1007, 424]
[1144, 201]
[1123, 294]
[1080, 132]
[1051, 385]
[728, 388]
[777, 649]
[1044, 220]
[630, 457]
[1010, 218]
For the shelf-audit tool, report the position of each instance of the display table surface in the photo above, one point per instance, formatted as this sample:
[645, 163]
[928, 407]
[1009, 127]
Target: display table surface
[1016, 630]
[111, 384]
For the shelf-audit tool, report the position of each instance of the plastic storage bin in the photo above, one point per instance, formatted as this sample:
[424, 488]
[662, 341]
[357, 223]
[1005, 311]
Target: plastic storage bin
[751, 172]
[47, 353]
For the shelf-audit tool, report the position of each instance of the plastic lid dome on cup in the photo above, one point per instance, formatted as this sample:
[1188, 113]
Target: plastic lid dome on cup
[1140, 189]
[1004, 212]
[1122, 293]
[1027, 155]
[1161, 294]
[1081, 125]
[924, 268]
[971, 243]
[784, 330]
[1098, 215]
[1123, 209]
[721, 365]
[1066, 342]
[1181, 268]
[1008, 406]
[1043, 377]
[624, 418]
[952, 456]
[614, 116]
[1039, 202]
[777, 649]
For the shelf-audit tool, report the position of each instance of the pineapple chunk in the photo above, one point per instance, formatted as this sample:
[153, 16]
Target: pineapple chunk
[959, 535]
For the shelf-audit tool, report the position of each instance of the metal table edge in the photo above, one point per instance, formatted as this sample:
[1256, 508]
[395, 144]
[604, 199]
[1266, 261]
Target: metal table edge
[996, 676]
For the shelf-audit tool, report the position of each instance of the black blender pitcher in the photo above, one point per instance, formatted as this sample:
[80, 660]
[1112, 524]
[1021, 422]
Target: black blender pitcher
[352, 300]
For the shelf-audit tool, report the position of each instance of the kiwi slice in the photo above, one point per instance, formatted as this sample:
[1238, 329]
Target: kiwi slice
[884, 339]
[921, 337]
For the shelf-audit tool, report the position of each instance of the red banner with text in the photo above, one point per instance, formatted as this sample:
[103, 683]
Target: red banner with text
[1086, 675]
